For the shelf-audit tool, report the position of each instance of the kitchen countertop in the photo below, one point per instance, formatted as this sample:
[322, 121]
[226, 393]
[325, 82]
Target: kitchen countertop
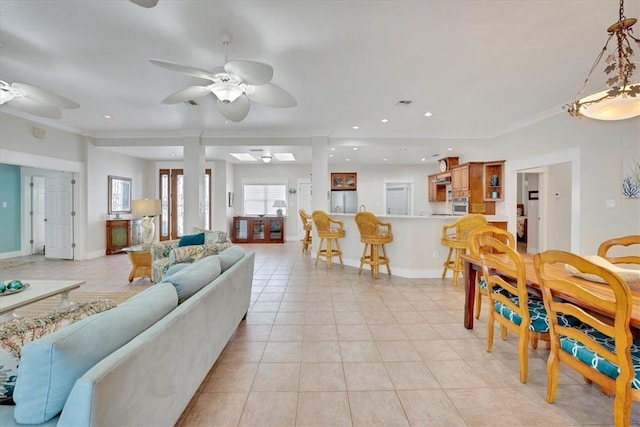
[490, 218]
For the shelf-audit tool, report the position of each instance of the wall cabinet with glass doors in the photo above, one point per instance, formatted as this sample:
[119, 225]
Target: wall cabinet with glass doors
[258, 229]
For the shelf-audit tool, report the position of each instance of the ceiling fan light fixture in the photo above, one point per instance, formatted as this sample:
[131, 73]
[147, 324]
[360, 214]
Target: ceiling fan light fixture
[227, 91]
[622, 98]
[7, 93]
[266, 158]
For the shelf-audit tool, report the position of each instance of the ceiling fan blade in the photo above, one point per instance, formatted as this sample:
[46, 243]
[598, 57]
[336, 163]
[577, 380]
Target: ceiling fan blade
[251, 72]
[33, 107]
[187, 94]
[271, 94]
[191, 71]
[42, 96]
[235, 111]
[145, 3]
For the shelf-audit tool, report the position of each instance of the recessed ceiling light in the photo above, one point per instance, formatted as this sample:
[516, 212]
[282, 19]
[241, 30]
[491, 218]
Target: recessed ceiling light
[355, 148]
[330, 155]
[106, 116]
[347, 160]
[244, 157]
[428, 114]
[384, 160]
[384, 120]
[423, 159]
[284, 157]
[450, 149]
[355, 127]
[172, 154]
[332, 148]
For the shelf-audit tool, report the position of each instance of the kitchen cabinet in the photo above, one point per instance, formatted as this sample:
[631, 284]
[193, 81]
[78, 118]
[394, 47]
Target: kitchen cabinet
[118, 235]
[492, 180]
[437, 185]
[467, 181]
[258, 229]
[344, 181]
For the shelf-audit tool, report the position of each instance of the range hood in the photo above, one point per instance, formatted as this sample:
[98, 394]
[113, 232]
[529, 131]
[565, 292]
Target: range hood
[442, 179]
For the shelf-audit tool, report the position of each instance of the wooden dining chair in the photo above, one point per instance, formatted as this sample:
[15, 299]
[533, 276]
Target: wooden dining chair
[614, 245]
[474, 243]
[455, 236]
[515, 310]
[306, 226]
[329, 231]
[602, 352]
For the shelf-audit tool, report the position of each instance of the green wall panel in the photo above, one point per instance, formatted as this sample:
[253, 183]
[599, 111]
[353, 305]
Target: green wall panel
[9, 215]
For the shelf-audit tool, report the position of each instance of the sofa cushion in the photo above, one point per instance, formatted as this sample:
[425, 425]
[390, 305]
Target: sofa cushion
[230, 256]
[194, 277]
[175, 268]
[191, 239]
[211, 237]
[52, 364]
[187, 254]
[17, 333]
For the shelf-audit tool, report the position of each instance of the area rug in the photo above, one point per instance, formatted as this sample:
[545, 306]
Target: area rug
[50, 304]
[9, 263]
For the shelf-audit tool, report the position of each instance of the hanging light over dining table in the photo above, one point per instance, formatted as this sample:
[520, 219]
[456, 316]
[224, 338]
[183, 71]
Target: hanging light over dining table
[621, 99]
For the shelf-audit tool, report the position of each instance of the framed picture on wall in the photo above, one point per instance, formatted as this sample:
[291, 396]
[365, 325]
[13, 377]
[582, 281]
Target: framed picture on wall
[533, 195]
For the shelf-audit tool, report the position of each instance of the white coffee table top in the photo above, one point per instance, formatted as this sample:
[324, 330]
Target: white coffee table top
[38, 290]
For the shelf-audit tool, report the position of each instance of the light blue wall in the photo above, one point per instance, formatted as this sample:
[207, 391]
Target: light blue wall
[10, 215]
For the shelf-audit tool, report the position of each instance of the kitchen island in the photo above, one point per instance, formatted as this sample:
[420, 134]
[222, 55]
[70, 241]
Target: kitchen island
[415, 252]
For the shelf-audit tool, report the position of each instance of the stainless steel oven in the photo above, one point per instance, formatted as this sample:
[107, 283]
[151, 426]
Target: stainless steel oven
[460, 205]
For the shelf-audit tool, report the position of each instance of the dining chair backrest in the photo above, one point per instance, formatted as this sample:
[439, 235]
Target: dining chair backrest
[610, 342]
[306, 218]
[490, 230]
[615, 257]
[463, 227]
[325, 224]
[370, 227]
[496, 271]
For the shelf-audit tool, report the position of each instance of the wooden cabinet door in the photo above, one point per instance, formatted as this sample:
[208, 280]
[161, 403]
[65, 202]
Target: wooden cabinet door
[433, 188]
[118, 235]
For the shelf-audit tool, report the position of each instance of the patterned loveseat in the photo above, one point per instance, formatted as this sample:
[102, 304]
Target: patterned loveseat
[168, 252]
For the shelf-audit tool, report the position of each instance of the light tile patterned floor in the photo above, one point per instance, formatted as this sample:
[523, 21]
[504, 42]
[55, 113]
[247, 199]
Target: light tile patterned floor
[332, 348]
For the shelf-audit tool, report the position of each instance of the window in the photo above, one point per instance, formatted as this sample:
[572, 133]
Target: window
[258, 198]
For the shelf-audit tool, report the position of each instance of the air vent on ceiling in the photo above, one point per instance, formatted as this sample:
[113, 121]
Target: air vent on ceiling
[191, 102]
[255, 149]
[403, 102]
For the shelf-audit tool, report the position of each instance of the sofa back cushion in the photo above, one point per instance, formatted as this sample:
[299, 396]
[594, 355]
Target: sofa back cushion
[211, 237]
[230, 256]
[194, 277]
[51, 365]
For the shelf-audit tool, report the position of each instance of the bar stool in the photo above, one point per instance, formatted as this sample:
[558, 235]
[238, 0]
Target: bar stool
[306, 225]
[455, 236]
[328, 233]
[374, 239]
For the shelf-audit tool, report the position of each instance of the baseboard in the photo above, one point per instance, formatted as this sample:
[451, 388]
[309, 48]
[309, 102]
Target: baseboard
[6, 255]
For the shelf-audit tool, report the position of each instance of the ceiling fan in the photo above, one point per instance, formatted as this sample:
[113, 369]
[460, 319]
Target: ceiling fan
[145, 3]
[34, 100]
[234, 85]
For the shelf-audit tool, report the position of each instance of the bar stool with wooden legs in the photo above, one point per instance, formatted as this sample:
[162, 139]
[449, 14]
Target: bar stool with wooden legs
[374, 239]
[329, 231]
[455, 236]
[306, 225]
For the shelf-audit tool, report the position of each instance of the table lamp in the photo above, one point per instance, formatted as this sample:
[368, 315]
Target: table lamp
[279, 204]
[146, 209]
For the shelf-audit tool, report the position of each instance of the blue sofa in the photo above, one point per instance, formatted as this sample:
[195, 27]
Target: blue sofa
[140, 363]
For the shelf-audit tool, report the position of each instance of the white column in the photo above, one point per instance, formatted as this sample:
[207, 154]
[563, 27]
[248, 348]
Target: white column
[319, 180]
[194, 188]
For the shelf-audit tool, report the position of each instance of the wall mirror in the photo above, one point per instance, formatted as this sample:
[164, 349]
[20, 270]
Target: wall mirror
[119, 195]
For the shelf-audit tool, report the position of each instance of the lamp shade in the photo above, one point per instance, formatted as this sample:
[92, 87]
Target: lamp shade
[279, 204]
[145, 207]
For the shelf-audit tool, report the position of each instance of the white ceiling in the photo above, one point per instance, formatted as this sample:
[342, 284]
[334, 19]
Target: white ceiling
[482, 67]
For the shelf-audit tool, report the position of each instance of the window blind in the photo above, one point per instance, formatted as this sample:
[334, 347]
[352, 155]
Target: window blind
[258, 198]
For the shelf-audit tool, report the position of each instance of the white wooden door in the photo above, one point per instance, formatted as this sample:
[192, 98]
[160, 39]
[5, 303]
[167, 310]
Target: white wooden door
[397, 198]
[58, 202]
[38, 208]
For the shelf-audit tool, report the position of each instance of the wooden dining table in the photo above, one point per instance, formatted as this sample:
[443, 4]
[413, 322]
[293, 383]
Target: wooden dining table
[473, 265]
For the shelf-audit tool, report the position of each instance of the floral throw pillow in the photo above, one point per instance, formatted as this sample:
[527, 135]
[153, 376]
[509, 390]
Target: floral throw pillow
[211, 237]
[17, 333]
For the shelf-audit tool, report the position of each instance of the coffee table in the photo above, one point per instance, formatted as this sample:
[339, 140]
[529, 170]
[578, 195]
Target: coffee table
[38, 290]
[140, 258]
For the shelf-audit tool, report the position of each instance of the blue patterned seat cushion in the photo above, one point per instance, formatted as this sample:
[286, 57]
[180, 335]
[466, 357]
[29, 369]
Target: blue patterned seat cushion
[483, 285]
[539, 318]
[586, 355]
